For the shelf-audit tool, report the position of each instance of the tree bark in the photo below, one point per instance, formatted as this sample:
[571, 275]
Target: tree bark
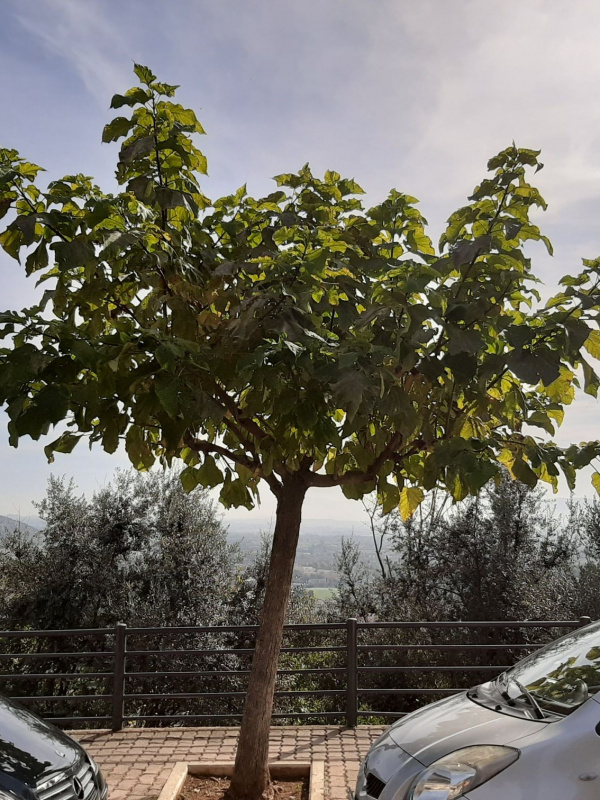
[251, 779]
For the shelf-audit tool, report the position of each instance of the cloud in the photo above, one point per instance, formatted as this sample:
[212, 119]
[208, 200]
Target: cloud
[85, 35]
[418, 95]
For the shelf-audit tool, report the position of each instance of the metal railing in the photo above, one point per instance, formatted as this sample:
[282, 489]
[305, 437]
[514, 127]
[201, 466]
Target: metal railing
[348, 653]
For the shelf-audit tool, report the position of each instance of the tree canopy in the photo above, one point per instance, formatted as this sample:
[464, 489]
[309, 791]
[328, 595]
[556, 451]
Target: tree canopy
[300, 338]
[300, 331]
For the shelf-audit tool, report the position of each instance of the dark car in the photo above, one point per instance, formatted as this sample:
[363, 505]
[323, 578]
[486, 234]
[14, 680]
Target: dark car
[40, 762]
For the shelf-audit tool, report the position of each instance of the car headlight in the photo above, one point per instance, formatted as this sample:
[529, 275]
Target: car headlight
[453, 775]
[48, 784]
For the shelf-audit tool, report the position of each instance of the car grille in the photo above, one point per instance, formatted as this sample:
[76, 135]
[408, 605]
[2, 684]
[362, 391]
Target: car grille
[374, 786]
[75, 785]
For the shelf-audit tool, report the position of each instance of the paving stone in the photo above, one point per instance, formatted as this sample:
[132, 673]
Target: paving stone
[137, 763]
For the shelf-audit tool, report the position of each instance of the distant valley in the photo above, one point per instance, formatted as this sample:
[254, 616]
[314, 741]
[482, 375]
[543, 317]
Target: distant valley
[318, 549]
[319, 546]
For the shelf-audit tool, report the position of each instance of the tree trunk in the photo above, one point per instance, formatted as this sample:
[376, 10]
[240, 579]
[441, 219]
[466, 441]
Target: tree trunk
[250, 779]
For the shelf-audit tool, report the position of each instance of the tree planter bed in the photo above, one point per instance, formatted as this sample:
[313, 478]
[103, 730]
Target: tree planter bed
[280, 771]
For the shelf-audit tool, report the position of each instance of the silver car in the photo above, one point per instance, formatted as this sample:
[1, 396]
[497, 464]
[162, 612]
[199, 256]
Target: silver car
[533, 733]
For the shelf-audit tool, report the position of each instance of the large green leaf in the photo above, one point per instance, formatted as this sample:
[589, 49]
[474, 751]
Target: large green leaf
[592, 344]
[131, 97]
[76, 253]
[64, 444]
[210, 475]
[145, 74]
[119, 127]
[463, 341]
[137, 149]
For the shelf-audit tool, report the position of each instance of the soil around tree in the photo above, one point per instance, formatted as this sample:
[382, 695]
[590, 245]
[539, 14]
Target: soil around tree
[203, 788]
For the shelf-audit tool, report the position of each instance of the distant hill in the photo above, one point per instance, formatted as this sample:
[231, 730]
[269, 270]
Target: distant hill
[10, 524]
[29, 519]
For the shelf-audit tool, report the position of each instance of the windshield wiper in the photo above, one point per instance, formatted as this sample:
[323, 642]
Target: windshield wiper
[524, 691]
[532, 701]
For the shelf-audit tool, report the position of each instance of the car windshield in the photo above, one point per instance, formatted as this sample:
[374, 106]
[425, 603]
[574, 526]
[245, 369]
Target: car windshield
[562, 675]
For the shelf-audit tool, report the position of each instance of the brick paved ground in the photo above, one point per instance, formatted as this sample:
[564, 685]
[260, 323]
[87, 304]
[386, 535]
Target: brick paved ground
[136, 763]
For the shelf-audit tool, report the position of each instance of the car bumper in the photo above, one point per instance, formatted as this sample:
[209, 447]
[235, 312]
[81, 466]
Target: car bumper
[398, 784]
[102, 786]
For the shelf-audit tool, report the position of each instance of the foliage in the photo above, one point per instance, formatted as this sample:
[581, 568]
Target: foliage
[585, 520]
[500, 555]
[143, 552]
[296, 333]
[140, 551]
[504, 555]
[300, 339]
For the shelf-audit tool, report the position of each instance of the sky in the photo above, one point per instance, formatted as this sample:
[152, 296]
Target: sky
[415, 96]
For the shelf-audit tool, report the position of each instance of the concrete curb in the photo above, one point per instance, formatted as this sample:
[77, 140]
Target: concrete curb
[280, 770]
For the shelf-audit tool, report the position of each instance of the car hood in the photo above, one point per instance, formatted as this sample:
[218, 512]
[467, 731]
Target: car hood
[30, 747]
[455, 722]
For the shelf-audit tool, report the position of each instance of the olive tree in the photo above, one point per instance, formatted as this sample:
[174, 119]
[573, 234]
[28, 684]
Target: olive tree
[295, 341]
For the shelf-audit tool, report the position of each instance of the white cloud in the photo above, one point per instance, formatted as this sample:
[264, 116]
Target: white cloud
[86, 34]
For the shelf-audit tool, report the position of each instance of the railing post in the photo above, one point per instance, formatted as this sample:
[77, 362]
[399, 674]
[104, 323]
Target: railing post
[118, 687]
[583, 621]
[351, 673]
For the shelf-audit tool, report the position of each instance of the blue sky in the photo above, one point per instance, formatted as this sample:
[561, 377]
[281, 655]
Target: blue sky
[393, 93]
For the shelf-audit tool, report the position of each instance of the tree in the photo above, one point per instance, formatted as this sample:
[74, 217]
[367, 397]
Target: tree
[504, 554]
[500, 555]
[299, 339]
[140, 551]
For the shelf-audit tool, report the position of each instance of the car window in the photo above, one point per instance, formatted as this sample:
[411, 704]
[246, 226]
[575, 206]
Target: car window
[564, 673]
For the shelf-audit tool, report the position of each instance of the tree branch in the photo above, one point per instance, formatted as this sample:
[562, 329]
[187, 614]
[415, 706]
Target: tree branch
[354, 477]
[203, 446]
[246, 422]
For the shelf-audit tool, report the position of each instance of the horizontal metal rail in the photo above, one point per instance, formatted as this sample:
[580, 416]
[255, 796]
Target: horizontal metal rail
[242, 651]
[444, 647]
[209, 695]
[68, 720]
[53, 676]
[231, 672]
[409, 691]
[69, 698]
[347, 639]
[293, 715]
[74, 633]
[315, 627]
[50, 656]
[453, 625]
[474, 668]
[385, 714]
